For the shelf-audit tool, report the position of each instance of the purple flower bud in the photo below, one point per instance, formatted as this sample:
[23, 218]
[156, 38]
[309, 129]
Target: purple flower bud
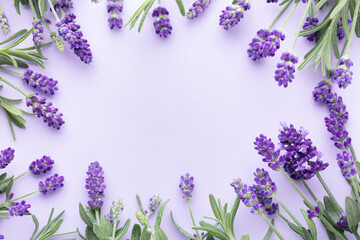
[322, 92]
[38, 32]
[115, 21]
[309, 24]
[340, 28]
[63, 4]
[4, 24]
[266, 148]
[39, 82]
[51, 183]
[313, 213]
[264, 182]
[346, 164]
[286, 69]
[343, 73]
[248, 196]
[115, 7]
[43, 165]
[41, 108]
[70, 32]
[95, 185]
[198, 7]
[186, 186]
[232, 15]
[271, 1]
[19, 209]
[162, 24]
[6, 156]
[343, 220]
[266, 44]
[154, 203]
[336, 126]
[237, 184]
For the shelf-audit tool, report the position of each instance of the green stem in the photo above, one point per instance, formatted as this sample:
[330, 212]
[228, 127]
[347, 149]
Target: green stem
[114, 229]
[288, 16]
[280, 14]
[355, 189]
[272, 226]
[193, 219]
[26, 195]
[13, 86]
[327, 190]
[301, 24]
[53, 11]
[10, 71]
[33, 8]
[62, 234]
[353, 152]
[97, 216]
[21, 175]
[283, 218]
[354, 21]
[309, 190]
[297, 189]
[287, 211]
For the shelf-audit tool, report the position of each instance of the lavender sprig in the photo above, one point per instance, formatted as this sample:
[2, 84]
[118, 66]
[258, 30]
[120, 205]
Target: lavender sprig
[38, 32]
[6, 156]
[198, 7]
[43, 165]
[19, 208]
[265, 44]
[343, 74]
[4, 24]
[162, 24]
[286, 69]
[232, 15]
[95, 185]
[115, 7]
[39, 82]
[51, 184]
[186, 186]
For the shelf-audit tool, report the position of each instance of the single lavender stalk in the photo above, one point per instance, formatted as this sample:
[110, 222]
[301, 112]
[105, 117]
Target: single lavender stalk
[4, 24]
[70, 32]
[162, 24]
[336, 126]
[232, 15]
[6, 156]
[186, 186]
[45, 110]
[346, 164]
[115, 7]
[95, 185]
[266, 148]
[322, 91]
[51, 184]
[266, 44]
[43, 165]
[198, 7]
[116, 209]
[154, 203]
[38, 32]
[343, 74]
[286, 69]
[19, 209]
[309, 24]
[39, 82]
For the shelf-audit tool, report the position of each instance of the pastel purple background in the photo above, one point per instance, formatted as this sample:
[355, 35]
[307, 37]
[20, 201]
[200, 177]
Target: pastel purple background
[150, 109]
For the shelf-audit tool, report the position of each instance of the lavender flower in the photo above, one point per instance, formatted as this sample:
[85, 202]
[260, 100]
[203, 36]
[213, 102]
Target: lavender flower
[115, 6]
[45, 110]
[313, 213]
[19, 209]
[70, 32]
[232, 15]
[117, 208]
[346, 164]
[337, 107]
[63, 4]
[38, 32]
[95, 185]
[266, 44]
[271, 1]
[6, 156]
[57, 41]
[309, 24]
[343, 73]
[198, 7]
[248, 196]
[162, 24]
[340, 28]
[186, 186]
[39, 82]
[300, 151]
[336, 126]
[286, 69]
[43, 165]
[51, 183]
[154, 203]
[322, 91]
[4, 22]
[264, 198]
[264, 182]
[343, 220]
[237, 184]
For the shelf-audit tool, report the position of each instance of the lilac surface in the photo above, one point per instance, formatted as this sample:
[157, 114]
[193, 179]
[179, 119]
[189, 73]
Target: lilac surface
[151, 109]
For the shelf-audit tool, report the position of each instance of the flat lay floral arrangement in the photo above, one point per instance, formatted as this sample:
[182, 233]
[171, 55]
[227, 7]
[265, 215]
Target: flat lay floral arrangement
[330, 27]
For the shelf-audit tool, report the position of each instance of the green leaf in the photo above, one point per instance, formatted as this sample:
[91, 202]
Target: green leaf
[160, 234]
[3, 177]
[42, 8]
[10, 100]
[181, 7]
[353, 213]
[210, 238]
[122, 231]
[344, 13]
[160, 213]
[8, 188]
[99, 233]
[84, 216]
[338, 8]
[146, 11]
[145, 235]
[89, 234]
[25, 56]
[36, 222]
[140, 204]
[9, 58]
[10, 108]
[106, 226]
[334, 40]
[245, 237]
[311, 224]
[319, 5]
[214, 206]
[186, 234]
[136, 232]
[299, 230]
[331, 235]
[233, 212]
[331, 210]
[15, 35]
[212, 230]
[17, 6]
[269, 231]
[20, 40]
[20, 64]
[357, 166]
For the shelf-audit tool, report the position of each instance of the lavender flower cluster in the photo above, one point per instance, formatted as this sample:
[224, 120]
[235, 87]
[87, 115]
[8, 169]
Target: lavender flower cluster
[70, 32]
[4, 24]
[286, 69]
[39, 82]
[38, 32]
[162, 24]
[232, 15]
[265, 44]
[63, 4]
[198, 7]
[115, 7]
[95, 185]
[6, 156]
[187, 186]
